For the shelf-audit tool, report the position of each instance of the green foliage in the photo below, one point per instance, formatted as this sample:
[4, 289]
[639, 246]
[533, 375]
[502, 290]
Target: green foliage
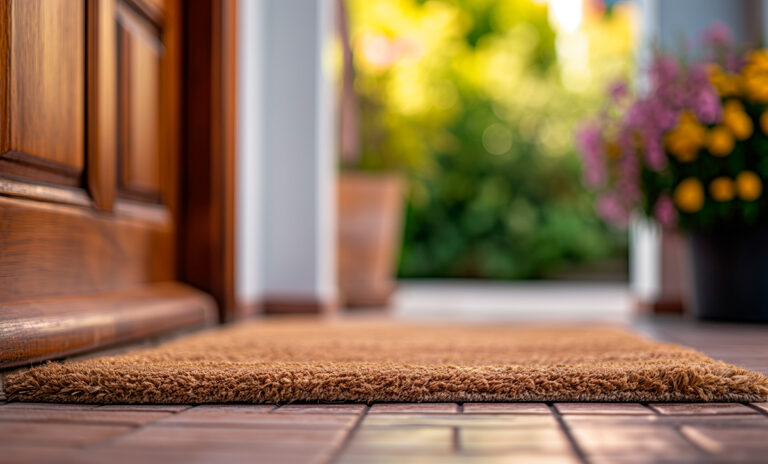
[475, 113]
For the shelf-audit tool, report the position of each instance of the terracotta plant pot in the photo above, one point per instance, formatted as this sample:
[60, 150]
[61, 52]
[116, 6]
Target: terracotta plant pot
[370, 209]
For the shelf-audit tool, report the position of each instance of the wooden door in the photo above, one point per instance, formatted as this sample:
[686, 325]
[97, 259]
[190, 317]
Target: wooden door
[89, 176]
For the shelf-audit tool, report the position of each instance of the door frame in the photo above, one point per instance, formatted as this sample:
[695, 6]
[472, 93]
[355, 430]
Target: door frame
[207, 221]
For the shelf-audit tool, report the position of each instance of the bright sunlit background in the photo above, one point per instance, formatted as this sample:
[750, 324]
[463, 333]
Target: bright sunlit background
[475, 103]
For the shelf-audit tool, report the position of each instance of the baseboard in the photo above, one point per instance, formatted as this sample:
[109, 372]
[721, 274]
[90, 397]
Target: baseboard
[52, 328]
[291, 305]
[667, 306]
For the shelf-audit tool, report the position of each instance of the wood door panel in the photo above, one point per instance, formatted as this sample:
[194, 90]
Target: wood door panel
[50, 250]
[45, 99]
[140, 52]
[90, 180]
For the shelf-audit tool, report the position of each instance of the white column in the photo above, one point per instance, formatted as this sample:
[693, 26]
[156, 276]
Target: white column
[298, 116]
[249, 158]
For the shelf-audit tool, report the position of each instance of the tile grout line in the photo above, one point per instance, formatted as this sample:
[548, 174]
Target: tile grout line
[651, 408]
[350, 435]
[275, 407]
[760, 411]
[678, 428]
[568, 435]
[135, 429]
[455, 431]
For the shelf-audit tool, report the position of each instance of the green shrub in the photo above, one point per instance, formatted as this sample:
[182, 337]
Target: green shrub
[468, 100]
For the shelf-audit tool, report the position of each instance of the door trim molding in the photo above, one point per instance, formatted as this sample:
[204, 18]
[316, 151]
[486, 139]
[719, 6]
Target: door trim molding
[206, 222]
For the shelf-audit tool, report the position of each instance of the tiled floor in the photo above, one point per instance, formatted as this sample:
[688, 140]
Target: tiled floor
[411, 433]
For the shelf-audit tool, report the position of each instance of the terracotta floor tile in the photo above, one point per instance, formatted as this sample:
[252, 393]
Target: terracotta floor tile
[509, 408]
[218, 438]
[145, 407]
[732, 420]
[411, 438]
[608, 420]
[364, 456]
[537, 439]
[45, 434]
[640, 458]
[354, 409]
[461, 420]
[602, 408]
[234, 408]
[90, 416]
[216, 418]
[702, 408]
[414, 408]
[64, 406]
[629, 440]
[133, 455]
[30, 454]
[729, 441]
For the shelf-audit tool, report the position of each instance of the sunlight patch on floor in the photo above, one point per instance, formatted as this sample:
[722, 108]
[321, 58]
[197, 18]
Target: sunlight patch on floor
[483, 301]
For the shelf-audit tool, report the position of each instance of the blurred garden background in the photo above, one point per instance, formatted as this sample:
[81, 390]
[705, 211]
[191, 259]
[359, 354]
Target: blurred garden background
[475, 103]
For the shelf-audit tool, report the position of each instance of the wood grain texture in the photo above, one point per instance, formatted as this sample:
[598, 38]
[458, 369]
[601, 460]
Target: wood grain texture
[52, 328]
[102, 103]
[152, 10]
[35, 168]
[139, 108]
[46, 193]
[46, 80]
[53, 250]
[171, 83]
[5, 71]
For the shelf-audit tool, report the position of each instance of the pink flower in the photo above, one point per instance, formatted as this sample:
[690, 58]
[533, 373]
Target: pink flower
[618, 91]
[718, 34]
[706, 104]
[702, 97]
[655, 158]
[591, 146]
[664, 211]
[611, 209]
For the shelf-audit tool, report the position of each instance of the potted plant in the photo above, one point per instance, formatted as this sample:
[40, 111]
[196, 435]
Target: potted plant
[691, 152]
[369, 201]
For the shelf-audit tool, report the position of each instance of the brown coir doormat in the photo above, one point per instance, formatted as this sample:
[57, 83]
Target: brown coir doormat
[280, 362]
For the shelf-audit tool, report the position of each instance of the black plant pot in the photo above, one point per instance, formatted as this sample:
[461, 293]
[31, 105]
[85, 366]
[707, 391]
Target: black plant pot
[730, 274]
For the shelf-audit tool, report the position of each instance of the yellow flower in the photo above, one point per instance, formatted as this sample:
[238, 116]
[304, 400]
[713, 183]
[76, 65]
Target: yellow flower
[749, 186]
[737, 120]
[726, 84]
[687, 138]
[689, 195]
[722, 189]
[764, 122]
[755, 76]
[719, 141]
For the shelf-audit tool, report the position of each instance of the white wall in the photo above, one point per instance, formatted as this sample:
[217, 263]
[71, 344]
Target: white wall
[286, 152]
